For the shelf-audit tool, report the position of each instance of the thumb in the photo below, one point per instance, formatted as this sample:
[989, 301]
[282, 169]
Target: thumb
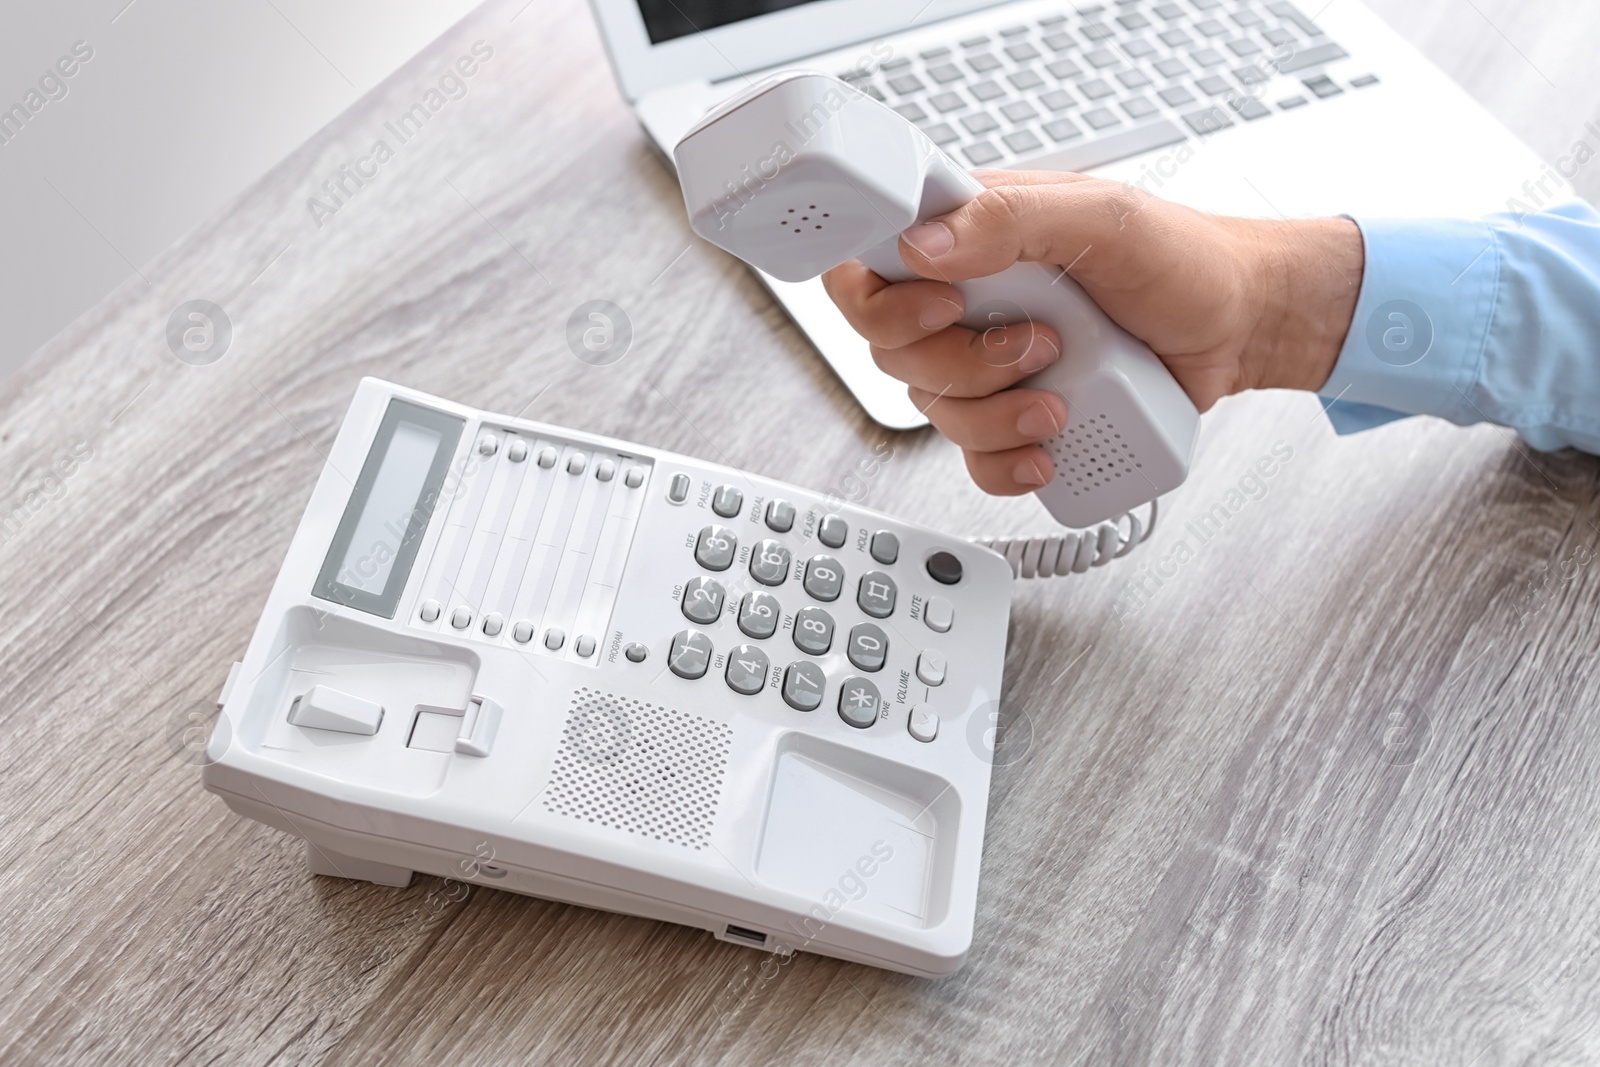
[1005, 224]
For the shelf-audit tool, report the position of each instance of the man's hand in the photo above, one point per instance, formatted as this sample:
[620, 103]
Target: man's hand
[1228, 304]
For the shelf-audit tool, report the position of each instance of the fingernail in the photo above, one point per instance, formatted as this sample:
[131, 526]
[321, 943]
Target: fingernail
[939, 313]
[1040, 354]
[1027, 472]
[932, 239]
[1038, 422]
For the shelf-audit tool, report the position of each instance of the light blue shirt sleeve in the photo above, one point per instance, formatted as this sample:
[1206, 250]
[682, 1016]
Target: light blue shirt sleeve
[1493, 320]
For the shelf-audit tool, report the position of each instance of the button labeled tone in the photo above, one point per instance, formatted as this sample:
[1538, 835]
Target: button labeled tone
[858, 702]
[747, 670]
[690, 654]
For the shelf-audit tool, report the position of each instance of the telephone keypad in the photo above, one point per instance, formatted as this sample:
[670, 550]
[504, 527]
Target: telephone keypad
[813, 631]
[858, 702]
[702, 600]
[747, 670]
[758, 615]
[690, 654]
[714, 548]
[824, 578]
[769, 562]
[868, 646]
[802, 686]
[876, 594]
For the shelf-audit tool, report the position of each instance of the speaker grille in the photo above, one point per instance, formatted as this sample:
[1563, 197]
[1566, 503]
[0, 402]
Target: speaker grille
[641, 768]
[1090, 454]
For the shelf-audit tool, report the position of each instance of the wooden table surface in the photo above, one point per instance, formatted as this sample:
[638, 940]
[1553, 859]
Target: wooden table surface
[1329, 797]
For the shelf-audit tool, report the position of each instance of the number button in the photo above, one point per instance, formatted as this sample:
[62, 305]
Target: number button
[758, 615]
[715, 548]
[747, 670]
[876, 594]
[832, 531]
[727, 501]
[702, 600]
[769, 562]
[813, 631]
[802, 686]
[690, 654]
[858, 702]
[867, 647]
[824, 577]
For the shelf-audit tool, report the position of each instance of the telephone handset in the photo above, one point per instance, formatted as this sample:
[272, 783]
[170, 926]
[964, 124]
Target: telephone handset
[802, 172]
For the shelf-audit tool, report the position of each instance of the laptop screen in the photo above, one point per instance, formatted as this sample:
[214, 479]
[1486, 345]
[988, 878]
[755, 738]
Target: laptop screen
[667, 19]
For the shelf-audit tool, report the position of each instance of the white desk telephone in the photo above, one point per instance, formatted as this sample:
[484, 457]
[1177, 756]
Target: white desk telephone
[569, 666]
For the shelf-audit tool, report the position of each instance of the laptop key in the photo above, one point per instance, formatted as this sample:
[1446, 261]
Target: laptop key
[947, 102]
[899, 63]
[1175, 38]
[1207, 120]
[1019, 111]
[934, 53]
[1139, 108]
[1059, 42]
[912, 112]
[906, 83]
[1064, 69]
[1211, 27]
[1168, 11]
[1095, 89]
[983, 62]
[1133, 21]
[1248, 107]
[1171, 68]
[1133, 79]
[1177, 96]
[1310, 57]
[1276, 37]
[1323, 86]
[1245, 18]
[945, 73]
[1062, 130]
[1022, 142]
[1250, 75]
[1101, 118]
[1025, 79]
[1244, 46]
[1290, 102]
[1057, 100]
[1013, 31]
[979, 122]
[1095, 31]
[1285, 10]
[942, 133]
[1102, 58]
[1138, 48]
[1110, 147]
[1022, 52]
[1215, 85]
[1207, 57]
[986, 91]
[981, 154]
[1363, 81]
[974, 42]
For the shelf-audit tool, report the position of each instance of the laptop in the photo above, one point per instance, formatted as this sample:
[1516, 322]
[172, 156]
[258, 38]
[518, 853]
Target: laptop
[1245, 107]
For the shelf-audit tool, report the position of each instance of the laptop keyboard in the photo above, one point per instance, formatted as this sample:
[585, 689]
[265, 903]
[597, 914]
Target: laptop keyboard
[1092, 85]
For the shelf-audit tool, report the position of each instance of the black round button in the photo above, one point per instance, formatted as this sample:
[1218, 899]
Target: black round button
[944, 568]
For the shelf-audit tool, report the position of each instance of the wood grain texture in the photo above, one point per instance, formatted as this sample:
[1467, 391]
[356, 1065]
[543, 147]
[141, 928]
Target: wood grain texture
[1212, 840]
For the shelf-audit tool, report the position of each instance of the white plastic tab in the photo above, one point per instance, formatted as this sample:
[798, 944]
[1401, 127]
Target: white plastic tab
[931, 666]
[478, 727]
[923, 723]
[939, 614]
[326, 708]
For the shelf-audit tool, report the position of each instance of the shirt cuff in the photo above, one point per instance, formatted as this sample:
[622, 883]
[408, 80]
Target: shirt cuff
[1417, 338]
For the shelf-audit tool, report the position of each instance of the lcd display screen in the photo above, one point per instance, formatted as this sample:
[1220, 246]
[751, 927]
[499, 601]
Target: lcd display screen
[376, 543]
[665, 20]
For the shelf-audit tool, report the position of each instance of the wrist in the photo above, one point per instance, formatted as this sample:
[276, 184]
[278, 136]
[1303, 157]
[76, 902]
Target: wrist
[1303, 277]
